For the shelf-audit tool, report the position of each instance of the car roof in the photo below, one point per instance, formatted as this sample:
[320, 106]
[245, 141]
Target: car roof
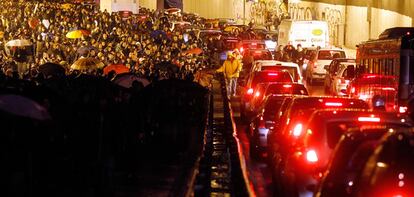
[312, 101]
[349, 114]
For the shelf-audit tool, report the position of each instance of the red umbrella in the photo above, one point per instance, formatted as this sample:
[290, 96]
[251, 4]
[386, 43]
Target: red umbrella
[118, 68]
[33, 22]
[196, 51]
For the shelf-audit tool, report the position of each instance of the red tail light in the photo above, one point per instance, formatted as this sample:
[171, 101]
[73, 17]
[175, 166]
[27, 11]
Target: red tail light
[287, 86]
[262, 123]
[388, 88]
[297, 130]
[402, 109]
[353, 90]
[250, 91]
[257, 94]
[311, 156]
[369, 119]
[272, 74]
[241, 49]
[333, 104]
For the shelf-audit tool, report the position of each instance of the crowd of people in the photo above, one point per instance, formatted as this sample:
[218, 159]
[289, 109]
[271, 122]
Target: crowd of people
[138, 42]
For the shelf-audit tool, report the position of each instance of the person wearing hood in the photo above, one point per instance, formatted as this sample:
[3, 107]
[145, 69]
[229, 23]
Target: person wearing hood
[231, 69]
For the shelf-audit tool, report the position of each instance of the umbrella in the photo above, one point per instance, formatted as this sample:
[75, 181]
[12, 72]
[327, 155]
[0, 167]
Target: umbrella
[156, 33]
[126, 80]
[18, 43]
[66, 6]
[87, 63]
[51, 69]
[46, 23]
[118, 68]
[196, 51]
[77, 33]
[172, 11]
[84, 50]
[33, 22]
[22, 106]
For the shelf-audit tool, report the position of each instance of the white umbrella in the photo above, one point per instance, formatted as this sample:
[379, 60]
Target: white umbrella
[18, 43]
[22, 106]
[126, 80]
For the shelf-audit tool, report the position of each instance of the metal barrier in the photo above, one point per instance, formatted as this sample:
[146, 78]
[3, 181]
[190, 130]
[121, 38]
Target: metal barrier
[222, 168]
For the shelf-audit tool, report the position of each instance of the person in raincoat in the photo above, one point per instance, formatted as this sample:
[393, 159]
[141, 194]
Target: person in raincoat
[231, 69]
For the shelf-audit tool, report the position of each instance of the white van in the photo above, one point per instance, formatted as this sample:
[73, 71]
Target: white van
[306, 33]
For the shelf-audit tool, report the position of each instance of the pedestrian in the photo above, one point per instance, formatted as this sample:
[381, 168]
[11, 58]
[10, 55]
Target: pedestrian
[231, 69]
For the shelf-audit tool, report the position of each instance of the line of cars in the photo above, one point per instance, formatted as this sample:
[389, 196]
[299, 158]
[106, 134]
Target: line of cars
[321, 146]
[325, 145]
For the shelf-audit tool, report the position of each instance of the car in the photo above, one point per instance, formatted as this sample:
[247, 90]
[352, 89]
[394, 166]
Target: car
[206, 33]
[315, 67]
[252, 44]
[292, 68]
[337, 79]
[389, 170]
[251, 55]
[246, 92]
[230, 44]
[312, 141]
[299, 108]
[379, 91]
[264, 89]
[349, 157]
[263, 111]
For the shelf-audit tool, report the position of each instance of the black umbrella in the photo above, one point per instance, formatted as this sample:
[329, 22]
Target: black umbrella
[51, 69]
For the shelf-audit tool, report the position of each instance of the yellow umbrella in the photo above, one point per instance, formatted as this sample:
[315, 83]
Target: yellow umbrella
[86, 64]
[230, 28]
[66, 6]
[77, 33]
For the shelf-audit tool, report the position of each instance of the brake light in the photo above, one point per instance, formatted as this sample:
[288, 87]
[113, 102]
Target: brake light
[258, 52]
[254, 44]
[241, 49]
[257, 94]
[333, 104]
[311, 156]
[369, 119]
[272, 74]
[402, 109]
[297, 130]
[262, 123]
[287, 86]
[250, 91]
[388, 88]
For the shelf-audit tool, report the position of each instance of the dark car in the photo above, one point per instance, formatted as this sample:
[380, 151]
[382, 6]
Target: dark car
[264, 89]
[389, 170]
[349, 158]
[296, 113]
[255, 78]
[312, 143]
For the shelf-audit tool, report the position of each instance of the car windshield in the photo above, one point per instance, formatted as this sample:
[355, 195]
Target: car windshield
[272, 106]
[330, 54]
[292, 70]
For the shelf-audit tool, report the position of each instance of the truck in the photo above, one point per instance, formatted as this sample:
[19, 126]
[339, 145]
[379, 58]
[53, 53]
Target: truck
[309, 34]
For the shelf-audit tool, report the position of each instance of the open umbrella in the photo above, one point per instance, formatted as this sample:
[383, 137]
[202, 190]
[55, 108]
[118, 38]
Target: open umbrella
[18, 43]
[77, 33]
[196, 51]
[51, 69]
[126, 80]
[22, 106]
[87, 63]
[33, 22]
[118, 68]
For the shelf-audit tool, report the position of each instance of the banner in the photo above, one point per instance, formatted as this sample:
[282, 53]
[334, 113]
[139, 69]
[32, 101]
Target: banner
[173, 4]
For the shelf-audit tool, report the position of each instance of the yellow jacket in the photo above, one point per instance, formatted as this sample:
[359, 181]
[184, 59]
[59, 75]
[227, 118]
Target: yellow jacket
[231, 68]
